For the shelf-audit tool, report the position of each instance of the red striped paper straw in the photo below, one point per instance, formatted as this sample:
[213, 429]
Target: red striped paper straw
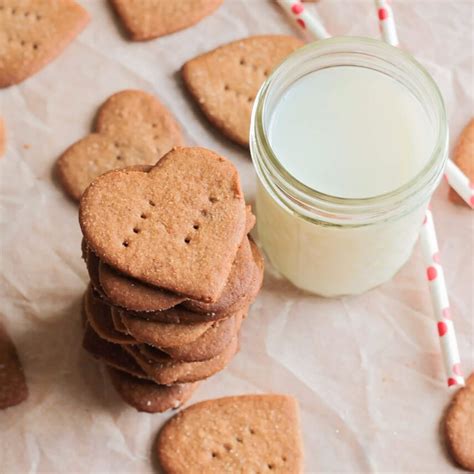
[455, 177]
[305, 20]
[439, 298]
[387, 22]
[429, 246]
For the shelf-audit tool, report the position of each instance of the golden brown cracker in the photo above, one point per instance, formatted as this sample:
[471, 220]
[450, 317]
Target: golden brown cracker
[179, 315]
[165, 370]
[247, 433]
[148, 19]
[236, 287]
[147, 396]
[177, 227]
[224, 82]
[255, 284]
[132, 128]
[33, 33]
[134, 112]
[111, 354]
[464, 157]
[100, 319]
[96, 154]
[134, 295]
[163, 334]
[212, 343]
[459, 426]
[13, 388]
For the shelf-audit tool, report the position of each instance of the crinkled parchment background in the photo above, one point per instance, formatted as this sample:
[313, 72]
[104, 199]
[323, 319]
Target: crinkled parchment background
[366, 370]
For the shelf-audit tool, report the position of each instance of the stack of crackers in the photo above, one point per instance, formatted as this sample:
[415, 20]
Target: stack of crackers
[172, 274]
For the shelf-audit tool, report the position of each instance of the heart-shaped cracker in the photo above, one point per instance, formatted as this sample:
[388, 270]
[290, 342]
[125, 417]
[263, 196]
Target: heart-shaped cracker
[459, 425]
[148, 19]
[133, 295]
[2, 137]
[224, 82]
[177, 227]
[33, 33]
[259, 433]
[463, 156]
[147, 396]
[132, 128]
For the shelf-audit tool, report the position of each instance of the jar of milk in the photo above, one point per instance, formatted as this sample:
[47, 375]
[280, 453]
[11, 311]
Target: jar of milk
[349, 140]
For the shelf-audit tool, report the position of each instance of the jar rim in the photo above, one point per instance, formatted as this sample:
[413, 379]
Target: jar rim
[305, 196]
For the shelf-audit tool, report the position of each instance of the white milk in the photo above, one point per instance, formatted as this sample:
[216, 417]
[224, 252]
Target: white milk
[350, 132]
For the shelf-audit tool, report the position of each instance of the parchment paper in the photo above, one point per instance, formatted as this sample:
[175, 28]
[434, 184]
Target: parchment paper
[366, 370]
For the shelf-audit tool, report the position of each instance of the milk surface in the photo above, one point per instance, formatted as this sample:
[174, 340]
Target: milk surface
[350, 132]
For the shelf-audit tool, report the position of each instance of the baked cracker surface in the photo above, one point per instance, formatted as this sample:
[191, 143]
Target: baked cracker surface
[224, 82]
[148, 19]
[177, 227]
[33, 33]
[459, 426]
[248, 433]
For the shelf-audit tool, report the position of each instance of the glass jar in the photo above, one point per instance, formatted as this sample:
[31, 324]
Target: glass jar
[331, 245]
